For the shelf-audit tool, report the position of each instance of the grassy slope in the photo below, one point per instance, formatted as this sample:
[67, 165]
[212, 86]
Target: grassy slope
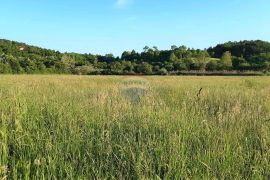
[135, 128]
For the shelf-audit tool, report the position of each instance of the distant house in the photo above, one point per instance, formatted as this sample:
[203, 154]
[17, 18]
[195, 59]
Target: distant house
[21, 48]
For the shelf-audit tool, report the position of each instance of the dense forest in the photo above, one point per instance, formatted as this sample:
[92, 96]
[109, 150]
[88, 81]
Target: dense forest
[19, 58]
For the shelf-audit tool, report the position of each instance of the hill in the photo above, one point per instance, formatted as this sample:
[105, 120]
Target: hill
[16, 57]
[244, 49]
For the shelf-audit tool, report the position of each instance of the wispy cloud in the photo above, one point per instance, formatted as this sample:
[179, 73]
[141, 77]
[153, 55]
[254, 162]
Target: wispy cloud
[122, 3]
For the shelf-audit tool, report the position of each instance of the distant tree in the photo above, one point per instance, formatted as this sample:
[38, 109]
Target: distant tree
[173, 47]
[130, 56]
[68, 62]
[163, 71]
[5, 68]
[156, 68]
[117, 67]
[14, 64]
[202, 56]
[245, 66]
[237, 61]
[146, 48]
[180, 66]
[226, 60]
[173, 57]
[245, 49]
[189, 63]
[109, 57]
[128, 67]
[41, 68]
[183, 48]
[266, 66]
[28, 65]
[212, 65]
[145, 68]
[155, 48]
[198, 66]
[169, 67]
[125, 55]
[92, 59]
[181, 52]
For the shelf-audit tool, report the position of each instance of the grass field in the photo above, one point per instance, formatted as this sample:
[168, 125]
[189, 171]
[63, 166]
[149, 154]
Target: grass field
[77, 127]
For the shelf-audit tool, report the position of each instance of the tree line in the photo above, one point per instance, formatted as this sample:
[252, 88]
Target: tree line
[20, 58]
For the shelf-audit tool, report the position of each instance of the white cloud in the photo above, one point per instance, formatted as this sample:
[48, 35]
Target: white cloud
[122, 3]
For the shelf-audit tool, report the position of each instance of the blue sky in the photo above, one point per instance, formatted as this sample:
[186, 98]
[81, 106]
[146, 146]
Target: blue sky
[112, 26]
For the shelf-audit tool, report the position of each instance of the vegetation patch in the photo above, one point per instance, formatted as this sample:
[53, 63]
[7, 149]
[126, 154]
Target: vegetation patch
[231, 58]
[104, 127]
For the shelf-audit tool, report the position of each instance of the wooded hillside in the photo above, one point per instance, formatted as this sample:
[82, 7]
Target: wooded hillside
[19, 58]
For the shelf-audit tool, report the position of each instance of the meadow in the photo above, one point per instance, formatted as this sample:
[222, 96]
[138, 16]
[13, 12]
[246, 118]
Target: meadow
[117, 127]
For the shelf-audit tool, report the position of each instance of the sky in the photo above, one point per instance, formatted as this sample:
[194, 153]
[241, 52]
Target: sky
[113, 26]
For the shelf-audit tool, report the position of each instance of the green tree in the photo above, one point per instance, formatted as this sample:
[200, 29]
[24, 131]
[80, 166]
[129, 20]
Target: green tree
[226, 60]
[173, 47]
[163, 71]
[212, 65]
[146, 48]
[169, 67]
[68, 62]
[180, 66]
[5, 68]
[117, 67]
[173, 57]
[14, 64]
[145, 68]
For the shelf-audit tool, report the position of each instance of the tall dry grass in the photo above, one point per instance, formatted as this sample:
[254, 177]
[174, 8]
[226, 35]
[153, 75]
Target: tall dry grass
[73, 127]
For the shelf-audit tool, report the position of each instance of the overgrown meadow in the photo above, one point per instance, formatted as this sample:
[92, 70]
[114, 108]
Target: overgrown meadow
[84, 127]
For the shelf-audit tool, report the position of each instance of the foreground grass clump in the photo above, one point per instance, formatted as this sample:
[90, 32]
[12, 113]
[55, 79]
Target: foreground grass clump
[134, 128]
